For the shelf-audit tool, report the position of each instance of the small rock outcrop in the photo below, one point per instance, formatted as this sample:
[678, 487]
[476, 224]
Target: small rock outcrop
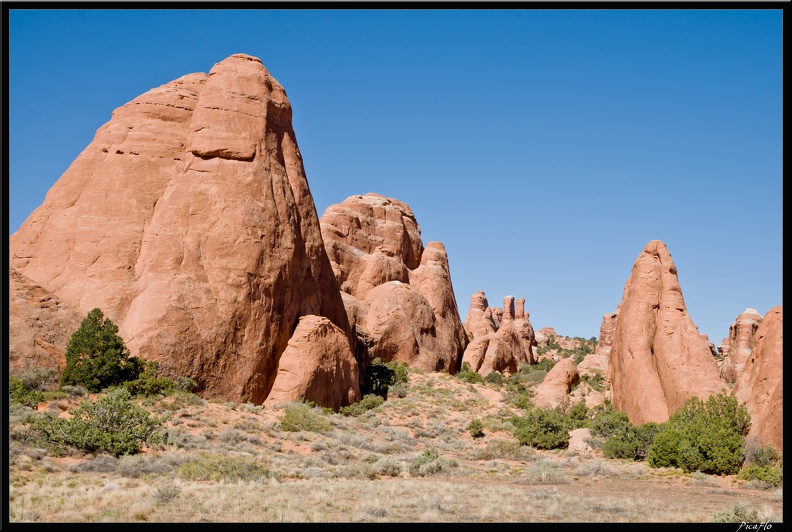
[557, 384]
[317, 365]
[658, 358]
[501, 341]
[398, 293]
[40, 326]
[188, 220]
[760, 384]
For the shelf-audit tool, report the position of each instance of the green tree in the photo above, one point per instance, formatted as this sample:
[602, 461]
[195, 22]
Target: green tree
[544, 428]
[97, 357]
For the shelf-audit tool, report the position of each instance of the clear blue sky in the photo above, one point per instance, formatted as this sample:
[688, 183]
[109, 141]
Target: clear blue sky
[544, 148]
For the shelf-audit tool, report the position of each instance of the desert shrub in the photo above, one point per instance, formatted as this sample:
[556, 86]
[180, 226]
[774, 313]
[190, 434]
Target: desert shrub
[468, 375]
[476, 428]
[147, 383]
[578, 415]
[429, 463]
[96, 357]
[74, 391]
[368, 402]
[766, 476]
[494, 377]
[222, 468]
[382, 375]
[39, 379]
[702, 436]
[544, 428]
[739, 513]
[111, 424]
[185, 384]
[507, 450]
[546, 364]
[386, 467]
[632, 443]
[545, 472]
[596, 381]
[19, 393]
[301, 416]
[756, 454]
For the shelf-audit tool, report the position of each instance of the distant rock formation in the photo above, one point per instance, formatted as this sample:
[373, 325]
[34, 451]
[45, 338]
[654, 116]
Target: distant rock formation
[397, 293]
[188, 220]
[40, 326]
[760, 383]
[501, 339]
[739, 345]
[658, 358]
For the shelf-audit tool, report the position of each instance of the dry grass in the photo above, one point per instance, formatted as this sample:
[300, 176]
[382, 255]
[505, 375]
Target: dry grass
[235, 463]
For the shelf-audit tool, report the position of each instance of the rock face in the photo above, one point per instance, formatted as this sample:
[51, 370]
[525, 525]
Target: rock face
[607, 332]
[500, 341]
[760, 384]
[188, 220]
[40, 326]
[397, 293]
[317, 364]
[739, 345]
[658, 358]
[557, 384]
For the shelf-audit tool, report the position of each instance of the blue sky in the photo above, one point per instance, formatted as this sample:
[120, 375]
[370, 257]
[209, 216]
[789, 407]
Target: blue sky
[544, 148]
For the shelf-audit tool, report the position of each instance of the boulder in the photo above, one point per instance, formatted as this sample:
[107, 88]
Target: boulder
[557, 384]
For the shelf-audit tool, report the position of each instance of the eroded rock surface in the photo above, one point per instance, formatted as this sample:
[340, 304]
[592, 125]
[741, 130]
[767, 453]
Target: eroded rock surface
[398, 291]
[658, 359]
[188, 220]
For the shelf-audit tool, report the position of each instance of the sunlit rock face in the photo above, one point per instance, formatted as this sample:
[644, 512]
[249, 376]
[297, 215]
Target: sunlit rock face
[398, 293]
[188, 220]
[658, 359]
[760, 383]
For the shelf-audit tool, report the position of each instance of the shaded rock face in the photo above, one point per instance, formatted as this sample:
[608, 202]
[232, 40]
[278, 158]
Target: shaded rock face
[499, 341]
[188, 220]
[397, 292]
[760, 384]
[658, 359]
[607, 333]
[739, 345]
[317, 365]
[557, 384]
[40, 326]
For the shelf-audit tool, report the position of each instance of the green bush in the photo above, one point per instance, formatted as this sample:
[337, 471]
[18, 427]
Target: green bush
[544, 428]
[147, 383]
[578, 415]
[772, 476]
[21, 394]
[368, 402]
[96, 357]
[703, 436]
[476, 428]
[494, 377]
[381, 375]
[468, 375]
[300, 416]
[111, 424]
[739, 513]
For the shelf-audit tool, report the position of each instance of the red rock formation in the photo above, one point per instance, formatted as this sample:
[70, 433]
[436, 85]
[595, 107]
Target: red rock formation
[40, 326]
[498, 345]
[739, 344]
[607, 332]
[400, 292]
[658, 358]
[188, 220]
[316, 365]
[557, 384]
[760, 384]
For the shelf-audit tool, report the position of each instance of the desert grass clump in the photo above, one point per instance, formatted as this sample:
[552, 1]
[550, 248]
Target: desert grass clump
[545, 472]
[223, 468]
[430, 463]
[739, 513]
[504, 450]
[300, 416]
